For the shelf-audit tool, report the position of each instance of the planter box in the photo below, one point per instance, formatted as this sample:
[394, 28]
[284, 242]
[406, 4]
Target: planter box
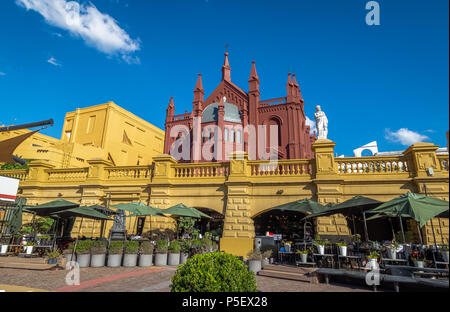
[114, 260]
[303, 258]
[83, 260]
[445, 256]
[183, 257]
[254, 265]
[174, 259]
[161, 259]
[321, 249]
[98, 260]
[145, 260]
[130, 260]
[392, 253]
[418, 264]
[69, 257]
[3, 249]
[52, 261]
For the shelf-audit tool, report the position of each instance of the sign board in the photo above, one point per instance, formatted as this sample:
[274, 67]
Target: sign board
[277, 237]
[8, 188]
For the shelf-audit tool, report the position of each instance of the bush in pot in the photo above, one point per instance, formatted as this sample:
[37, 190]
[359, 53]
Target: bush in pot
[254, 260]
[4, 243]
[418, 260]
[131, 253]
[342, 248]
[213, 272]
[303, 255]
[320, 243]
[115, 253]
[146, 254]
[391, 249]
[83, 251]
[98, 254]
[174, 253]
[161, 252]
[372, 259]
[52, 256]
[185, 248]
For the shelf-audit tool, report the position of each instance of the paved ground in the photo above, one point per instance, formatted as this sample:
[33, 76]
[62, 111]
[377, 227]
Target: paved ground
[154, 279]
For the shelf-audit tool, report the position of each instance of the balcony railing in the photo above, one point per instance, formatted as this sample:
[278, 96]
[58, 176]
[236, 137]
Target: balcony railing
[372, 165]
[129, 172]
[276, 101]
[21, 174]
[201, 170]
[443, 161]
[297, 167]
[71, 174]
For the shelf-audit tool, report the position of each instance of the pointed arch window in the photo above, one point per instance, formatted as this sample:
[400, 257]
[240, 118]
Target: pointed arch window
[238, 136]
[232, 136]
[226, 135]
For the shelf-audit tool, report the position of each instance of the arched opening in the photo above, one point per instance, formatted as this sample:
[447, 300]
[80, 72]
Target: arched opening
[214, 226]
[286, 223]
[274, 121]
[366, 153]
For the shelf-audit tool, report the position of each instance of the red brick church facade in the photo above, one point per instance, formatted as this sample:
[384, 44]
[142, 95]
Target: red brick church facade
[228, 107]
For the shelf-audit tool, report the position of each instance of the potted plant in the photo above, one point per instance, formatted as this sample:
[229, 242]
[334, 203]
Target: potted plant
[392, 249]
[146, 254]
[287, 246]
[342, 248]
[254, 261]
[373, 257]
[4, 241]
[131, 250]
[52, 256]
[185, 248]
[418, 260]
[68, 252]
[174, 253]
[83, 251]
[161, 252]
[444, 253]
[320, 245]
[207, 245]
[98, 254]
[115, 253]
[303, 255]
[29, 246]
[266, 255]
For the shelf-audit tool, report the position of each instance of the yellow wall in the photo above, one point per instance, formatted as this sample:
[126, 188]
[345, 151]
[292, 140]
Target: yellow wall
[241, 190]
[96, 132]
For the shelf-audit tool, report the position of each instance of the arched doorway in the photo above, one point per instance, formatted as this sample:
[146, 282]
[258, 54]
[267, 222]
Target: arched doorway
[286, 223]
[214, 226]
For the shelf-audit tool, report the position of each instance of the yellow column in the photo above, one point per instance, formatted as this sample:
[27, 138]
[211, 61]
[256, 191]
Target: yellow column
[239, 231]
[328, 188]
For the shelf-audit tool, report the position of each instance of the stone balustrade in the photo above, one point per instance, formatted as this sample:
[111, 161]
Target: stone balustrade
[372, 165]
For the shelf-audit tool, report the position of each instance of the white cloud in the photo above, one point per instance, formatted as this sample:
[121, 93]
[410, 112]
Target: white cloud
[53, 61]
[405, 136]
[97, 29]
[311, 124]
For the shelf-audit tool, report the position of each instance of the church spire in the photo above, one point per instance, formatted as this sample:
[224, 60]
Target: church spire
[253, 74]
[198, 96]
[170, 109]
[253, 81]
[226, 69]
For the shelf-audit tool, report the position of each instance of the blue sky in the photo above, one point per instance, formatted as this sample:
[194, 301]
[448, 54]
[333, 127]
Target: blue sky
[371, 81]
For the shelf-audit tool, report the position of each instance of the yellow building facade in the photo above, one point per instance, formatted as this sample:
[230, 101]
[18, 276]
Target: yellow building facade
[105, 131]
[241, 189]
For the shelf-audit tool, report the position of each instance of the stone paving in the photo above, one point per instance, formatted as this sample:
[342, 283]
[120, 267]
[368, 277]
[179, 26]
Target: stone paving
[136, 279]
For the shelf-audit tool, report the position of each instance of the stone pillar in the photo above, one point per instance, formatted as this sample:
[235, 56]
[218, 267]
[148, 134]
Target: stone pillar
[238, 231]
[38, 171]
[328, 189]
[429, 179]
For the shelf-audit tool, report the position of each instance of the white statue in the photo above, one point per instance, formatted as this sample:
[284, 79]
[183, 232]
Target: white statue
[321, 123]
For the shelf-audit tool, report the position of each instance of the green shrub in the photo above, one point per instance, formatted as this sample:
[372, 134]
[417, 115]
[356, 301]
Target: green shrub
[174, 247]
[116, 248]
[213, 272]
[83, 247]
[147, 248]
[53, 254]
[185, 245]
[161, 246]
[98, 247]
[254, 255]
[131, 247]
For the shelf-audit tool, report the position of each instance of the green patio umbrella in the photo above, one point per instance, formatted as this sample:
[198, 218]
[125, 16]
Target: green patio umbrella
[302, 205]
[14, 217]
[131, 207]
[81, 212]
[410, 205]
[183, 211]
[139, 209]
[49, 208]
[103, 209]
[354, 206]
